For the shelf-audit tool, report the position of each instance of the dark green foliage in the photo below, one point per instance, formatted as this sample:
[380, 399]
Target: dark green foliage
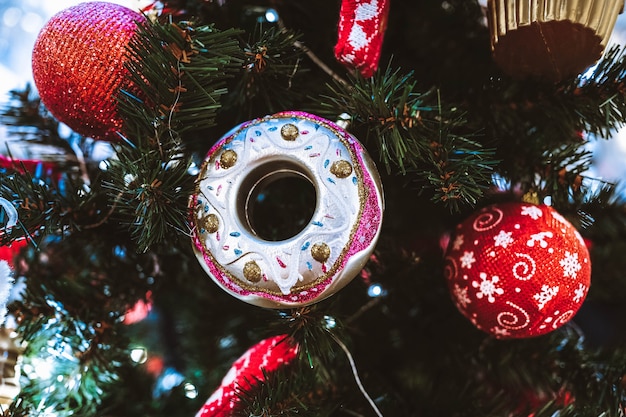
[149, 191]
[413, 132]
[179, 72]
[450, 133]
[269, 82]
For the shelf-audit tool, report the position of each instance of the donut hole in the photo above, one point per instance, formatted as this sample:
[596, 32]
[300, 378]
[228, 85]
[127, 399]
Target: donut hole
[277, 201]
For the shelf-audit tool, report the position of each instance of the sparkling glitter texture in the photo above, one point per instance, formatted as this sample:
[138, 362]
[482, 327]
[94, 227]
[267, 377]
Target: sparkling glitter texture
[78, 65]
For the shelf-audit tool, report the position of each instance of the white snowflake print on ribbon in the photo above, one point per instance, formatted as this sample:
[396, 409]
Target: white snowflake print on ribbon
[533, 212]
[540, 238]
[487, 287]
[458, 242]
[364, 11]
[467, 259]
[461, 296]
[579, 293]
[570, 265]
[547, 293]
[503, 239]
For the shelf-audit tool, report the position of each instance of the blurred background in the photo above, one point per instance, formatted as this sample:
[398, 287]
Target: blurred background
[21, 20]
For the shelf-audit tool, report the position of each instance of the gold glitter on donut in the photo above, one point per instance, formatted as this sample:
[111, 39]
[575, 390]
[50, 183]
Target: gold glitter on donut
[228, 158]
[252, 271]
[320, 252]
[289, 132]
[341, 169]
[210, 223]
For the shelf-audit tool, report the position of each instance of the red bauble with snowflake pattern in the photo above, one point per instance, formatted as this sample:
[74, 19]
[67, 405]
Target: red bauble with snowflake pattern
[269, 355]
[517, 270]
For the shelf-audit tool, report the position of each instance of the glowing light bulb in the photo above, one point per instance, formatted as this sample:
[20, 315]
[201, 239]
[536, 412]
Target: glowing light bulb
[191, 391]
[139, 355]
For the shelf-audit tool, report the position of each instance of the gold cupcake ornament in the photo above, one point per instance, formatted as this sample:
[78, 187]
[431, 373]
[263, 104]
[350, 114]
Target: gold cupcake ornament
[550, 39]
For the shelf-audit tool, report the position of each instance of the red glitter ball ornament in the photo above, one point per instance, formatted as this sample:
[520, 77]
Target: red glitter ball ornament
[78, 65]
[517, 270]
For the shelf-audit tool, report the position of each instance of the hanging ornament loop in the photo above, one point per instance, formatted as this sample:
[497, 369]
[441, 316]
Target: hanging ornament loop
[10, 212]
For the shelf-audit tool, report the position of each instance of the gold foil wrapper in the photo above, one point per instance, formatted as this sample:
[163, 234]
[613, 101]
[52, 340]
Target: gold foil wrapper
[550, 38]
[10, 365]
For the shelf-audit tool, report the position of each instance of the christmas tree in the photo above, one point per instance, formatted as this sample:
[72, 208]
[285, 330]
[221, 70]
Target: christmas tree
[176, 254]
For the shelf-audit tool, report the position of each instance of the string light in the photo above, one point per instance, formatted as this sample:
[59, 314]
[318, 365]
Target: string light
[376, 290]
[139, 354]
[191, 391]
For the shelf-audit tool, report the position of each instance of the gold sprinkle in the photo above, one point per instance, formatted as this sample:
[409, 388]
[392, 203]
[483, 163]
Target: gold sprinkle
[320, 252]
[252, 272]
[210, 223]
[228, 158]
[289, 132]
[341, 169]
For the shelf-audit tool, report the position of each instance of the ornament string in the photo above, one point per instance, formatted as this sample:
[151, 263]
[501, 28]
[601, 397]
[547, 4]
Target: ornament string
[178, 92]
[356, 374]
[11, 212]
[316, 60]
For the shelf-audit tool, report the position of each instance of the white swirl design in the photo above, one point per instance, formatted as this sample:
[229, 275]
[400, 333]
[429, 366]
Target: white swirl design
[562, 319]
[488, 220]
[509, 320]
[522, 270]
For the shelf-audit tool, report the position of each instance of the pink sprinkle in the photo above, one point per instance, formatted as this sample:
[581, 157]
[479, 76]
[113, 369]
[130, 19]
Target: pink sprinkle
[281, 263]
[305, 132]
[225, 247]
[338, 152]
[217, 165]
[217, 236]
[313, 155]
[219, 189]
[328, 216]
[265, 278]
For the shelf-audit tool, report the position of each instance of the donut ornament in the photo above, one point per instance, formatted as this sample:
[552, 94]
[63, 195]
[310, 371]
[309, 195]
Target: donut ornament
[334, 244]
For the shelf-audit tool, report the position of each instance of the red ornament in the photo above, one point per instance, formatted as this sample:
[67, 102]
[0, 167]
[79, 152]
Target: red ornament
[269, 355]
[362, 25]
[78, 65]
[8, 252]
[517, 270]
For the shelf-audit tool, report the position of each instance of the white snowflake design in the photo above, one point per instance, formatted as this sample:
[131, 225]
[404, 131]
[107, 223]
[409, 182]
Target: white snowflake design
[487, 287]
[541, 238]
[559, 218]
[533, 212]
[503, 239]
[580, 293]
[547, 293]
[467, 260]
[570, 265]
[458, 242]
[461, 296]
[500, 332]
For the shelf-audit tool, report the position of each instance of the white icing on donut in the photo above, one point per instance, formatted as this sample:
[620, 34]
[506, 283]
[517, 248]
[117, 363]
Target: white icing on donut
[290, 274]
